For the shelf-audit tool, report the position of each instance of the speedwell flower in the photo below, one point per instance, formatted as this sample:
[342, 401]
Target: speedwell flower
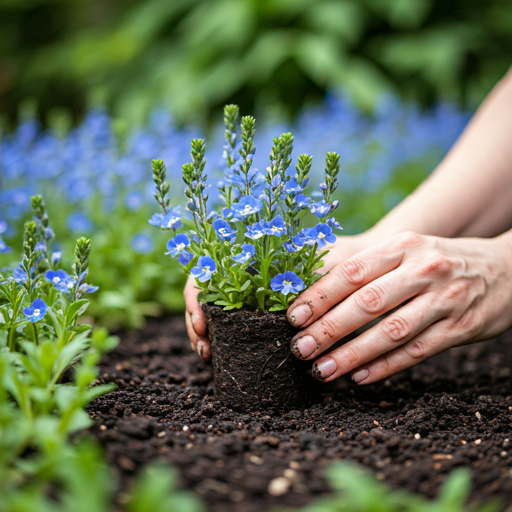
[4, 248]
[185, 257]
[204, 269]
[254, 231]
[224, 231]
[320, 209]
[292, 187]
[301, 201]
[19, 275]
[87, 288]
[248, 251]
[36, 310]
[319, 234]
[170, 220]
[275, 227]
[334, 223]
[61, 280]
[177, 245]
[247, 205]
[286, 283]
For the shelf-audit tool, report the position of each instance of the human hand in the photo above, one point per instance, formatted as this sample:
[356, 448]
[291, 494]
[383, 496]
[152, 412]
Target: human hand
[344, 248]
[452, 292]
[196, 321]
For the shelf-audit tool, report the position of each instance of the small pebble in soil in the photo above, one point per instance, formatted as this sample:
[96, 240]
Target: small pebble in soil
[478, 416]
[417, 436]
[478, 441]
[278, 486]
[103, 427]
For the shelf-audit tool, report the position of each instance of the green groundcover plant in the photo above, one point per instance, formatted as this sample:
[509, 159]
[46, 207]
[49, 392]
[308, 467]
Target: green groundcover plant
[254, 252]
[48, 365]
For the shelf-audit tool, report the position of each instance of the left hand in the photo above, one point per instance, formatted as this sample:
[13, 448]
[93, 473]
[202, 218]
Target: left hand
[451, 291]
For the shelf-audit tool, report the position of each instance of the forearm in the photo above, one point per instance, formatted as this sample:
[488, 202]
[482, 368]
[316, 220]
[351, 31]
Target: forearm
[469, 192]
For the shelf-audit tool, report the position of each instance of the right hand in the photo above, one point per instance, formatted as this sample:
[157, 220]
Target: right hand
[345, 247]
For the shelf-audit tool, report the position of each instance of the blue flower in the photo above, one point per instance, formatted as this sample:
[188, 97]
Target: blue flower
[254, 231]
[4, 248]
[49, 233]
[248, 251]
[247, 205]
[87, 288]
[3, 226]
[286, 283]
[78, 222]
[62, 281]
[19, 274]
[319, 234]
[301, 201]
[170, 220]
[334, 223]
[40, 246]
[141, 243]
[204, 269]
[320, 209]
[56, 257]
[185, 257]
[177, 245]
[293, 187]
[275, 227]
[36, 311]
[227, 213]
[134, 200]
[224, 231]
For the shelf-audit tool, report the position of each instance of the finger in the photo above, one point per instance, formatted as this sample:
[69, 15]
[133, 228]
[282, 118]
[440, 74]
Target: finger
[199, 344]
[364, 305]
[431, 341]
[391, 332]
[197, 318]
[345, 278]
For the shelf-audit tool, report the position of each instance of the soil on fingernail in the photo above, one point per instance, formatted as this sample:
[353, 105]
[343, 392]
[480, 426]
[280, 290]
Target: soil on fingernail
[315, 372]
[412, 430]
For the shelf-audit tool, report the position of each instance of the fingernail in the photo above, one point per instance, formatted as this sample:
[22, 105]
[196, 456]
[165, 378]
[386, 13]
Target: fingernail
[300, 315]
[325, 369]
[304, 347]
[201, 348]
[360, 375]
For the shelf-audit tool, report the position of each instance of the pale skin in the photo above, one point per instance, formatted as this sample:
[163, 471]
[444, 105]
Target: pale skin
[442, 257]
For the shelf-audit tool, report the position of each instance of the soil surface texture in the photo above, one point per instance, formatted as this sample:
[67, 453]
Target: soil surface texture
[411, 430]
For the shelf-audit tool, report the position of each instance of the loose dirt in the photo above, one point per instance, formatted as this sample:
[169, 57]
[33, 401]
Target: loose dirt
[411, 430]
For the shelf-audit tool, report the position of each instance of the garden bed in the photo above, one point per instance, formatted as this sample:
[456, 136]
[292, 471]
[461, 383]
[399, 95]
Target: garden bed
[411, 430]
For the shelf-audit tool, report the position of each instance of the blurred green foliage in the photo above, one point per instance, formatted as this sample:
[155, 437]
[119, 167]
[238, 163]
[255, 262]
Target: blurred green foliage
[356, 490]
[196, 55]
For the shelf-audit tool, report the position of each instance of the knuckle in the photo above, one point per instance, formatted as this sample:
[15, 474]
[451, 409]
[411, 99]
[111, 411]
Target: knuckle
[435, 263]
[471, 324]
[417, 349]
[328, 327]
[458, 290]
[396, 328]
[353, 271]
[371, 300]
[408, 240]
[351, 356]
[383, 366]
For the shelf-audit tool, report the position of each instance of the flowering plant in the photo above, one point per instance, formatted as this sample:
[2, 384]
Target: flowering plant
[254, 251]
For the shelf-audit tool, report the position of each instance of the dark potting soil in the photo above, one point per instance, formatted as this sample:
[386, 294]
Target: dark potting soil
[411, 430]
[253, 366]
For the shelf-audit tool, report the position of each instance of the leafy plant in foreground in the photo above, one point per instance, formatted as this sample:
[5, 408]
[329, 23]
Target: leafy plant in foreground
[356, 490]
[42, 402]
[254, 252]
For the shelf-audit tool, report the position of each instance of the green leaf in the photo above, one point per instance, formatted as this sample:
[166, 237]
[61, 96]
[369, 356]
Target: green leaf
[278, 307]
[75, 309]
